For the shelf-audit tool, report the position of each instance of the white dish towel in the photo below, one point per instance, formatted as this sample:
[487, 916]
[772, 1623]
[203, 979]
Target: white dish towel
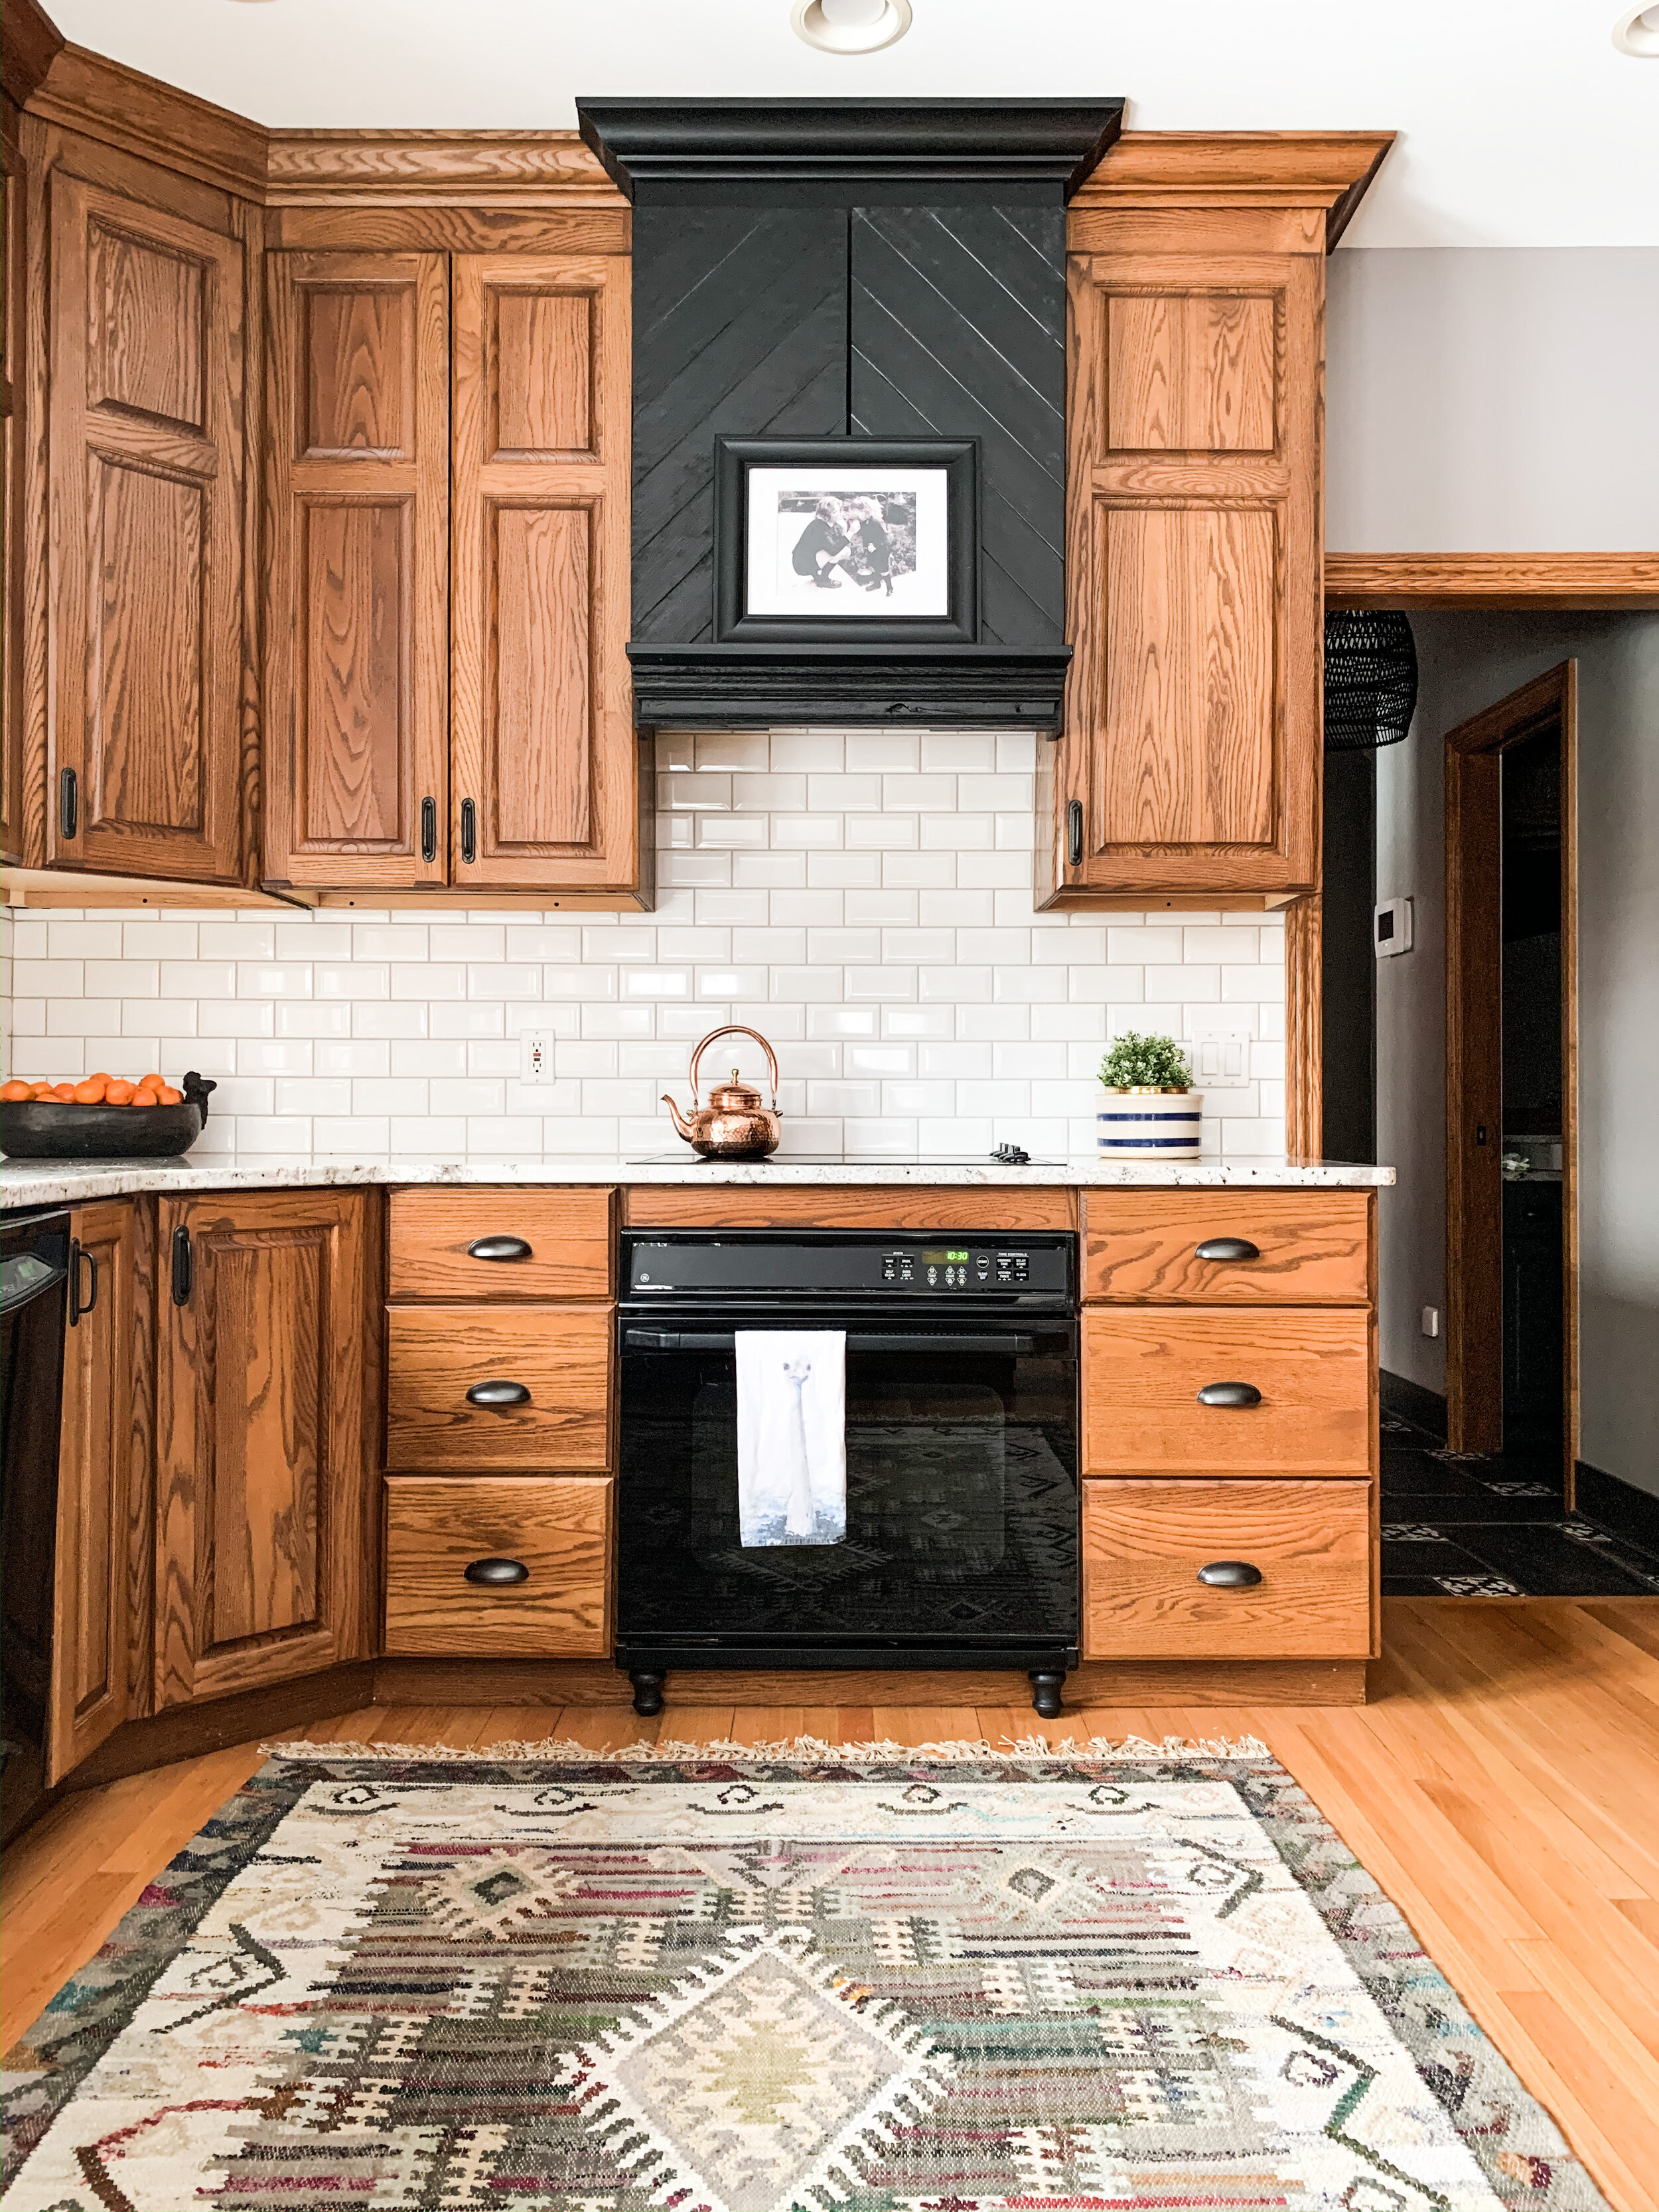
[792, 1436]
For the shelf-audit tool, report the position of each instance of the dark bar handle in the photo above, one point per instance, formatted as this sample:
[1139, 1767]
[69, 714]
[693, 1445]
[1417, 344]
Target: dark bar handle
[1228, 1247]
[498, 1248]
[77, 1253]
[183, 1268]
[1074, 833]
[1229, 1574]
[1230, 1393]
[499, 1393]
[497, 1574]
[428, 829]
[69, 802]
[670, 1339]
[469, 831]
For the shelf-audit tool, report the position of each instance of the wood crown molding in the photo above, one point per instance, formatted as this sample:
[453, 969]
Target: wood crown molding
[520, 169]
[1627, 581]
[1330, 170]
[139, 114]
[29, 42]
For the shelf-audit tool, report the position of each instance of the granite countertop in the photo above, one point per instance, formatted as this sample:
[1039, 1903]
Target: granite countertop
[45, 1182]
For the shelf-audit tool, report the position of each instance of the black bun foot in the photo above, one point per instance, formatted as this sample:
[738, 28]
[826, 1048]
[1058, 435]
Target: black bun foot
[647, 1692]
[1045, 1694]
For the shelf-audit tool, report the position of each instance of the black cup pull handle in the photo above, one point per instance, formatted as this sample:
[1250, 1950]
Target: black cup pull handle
[497, 1574]
[499, 1393]
[1074, 833]
[1229, 1574]
[1230, 1393]
[498, 1247]
[183, 1268]
[469, 832]
[428, 829]
[1228, 1247]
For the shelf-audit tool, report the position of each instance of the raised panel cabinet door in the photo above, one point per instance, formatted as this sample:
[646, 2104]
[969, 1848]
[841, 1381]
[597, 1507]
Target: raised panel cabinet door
[145, 529]
[265, 1528]
[13, 425]
[1190, 761]
[545, 763]
[357, 648]
[101, 1486]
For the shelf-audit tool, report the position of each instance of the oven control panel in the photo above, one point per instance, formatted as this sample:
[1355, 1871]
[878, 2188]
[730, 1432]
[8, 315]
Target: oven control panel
[761, 1264]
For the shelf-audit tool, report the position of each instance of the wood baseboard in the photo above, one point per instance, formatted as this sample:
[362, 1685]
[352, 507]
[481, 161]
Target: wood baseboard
[215, 1724]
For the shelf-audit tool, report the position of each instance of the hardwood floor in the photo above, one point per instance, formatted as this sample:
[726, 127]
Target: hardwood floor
[1503, 1786]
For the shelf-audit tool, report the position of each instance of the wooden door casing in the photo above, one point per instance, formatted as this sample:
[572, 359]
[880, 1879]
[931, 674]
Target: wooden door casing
[357, 652]
[1192, 736]
[264, 1532]
[145, 537]
[13, 439]
[100, 1486]
[543, 746]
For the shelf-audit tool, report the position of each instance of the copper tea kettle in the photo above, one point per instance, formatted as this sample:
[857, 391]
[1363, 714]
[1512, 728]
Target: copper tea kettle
[734, 1125]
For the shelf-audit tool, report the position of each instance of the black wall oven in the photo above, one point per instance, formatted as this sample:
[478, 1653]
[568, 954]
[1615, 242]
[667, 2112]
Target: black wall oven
[961, 1544]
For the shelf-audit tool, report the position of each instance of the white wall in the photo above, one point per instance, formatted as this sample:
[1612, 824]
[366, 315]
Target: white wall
[1469, 662]
[1493, 401]
[863, 899]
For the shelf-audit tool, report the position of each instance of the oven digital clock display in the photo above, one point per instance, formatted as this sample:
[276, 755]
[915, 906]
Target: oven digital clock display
[942, 1259]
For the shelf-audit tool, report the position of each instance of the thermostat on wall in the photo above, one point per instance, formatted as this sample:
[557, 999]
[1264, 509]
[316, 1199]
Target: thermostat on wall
[1391, 927]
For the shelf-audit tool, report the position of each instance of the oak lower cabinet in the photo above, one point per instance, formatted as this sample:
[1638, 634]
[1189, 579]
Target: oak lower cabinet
[505, 1567]
[1288, 1569]
[449, 701]
[267, 1367]
[101, 1668]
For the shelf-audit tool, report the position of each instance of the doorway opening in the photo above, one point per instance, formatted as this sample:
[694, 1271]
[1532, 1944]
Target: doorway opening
[1512, 1079]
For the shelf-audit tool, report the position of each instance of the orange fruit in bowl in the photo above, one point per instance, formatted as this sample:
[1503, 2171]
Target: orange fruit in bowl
[14, 1090]
[91, 1091]
[171, 1096]
[119, 1091]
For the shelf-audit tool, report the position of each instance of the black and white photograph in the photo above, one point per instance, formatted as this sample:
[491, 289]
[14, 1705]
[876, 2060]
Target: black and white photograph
[826, 542]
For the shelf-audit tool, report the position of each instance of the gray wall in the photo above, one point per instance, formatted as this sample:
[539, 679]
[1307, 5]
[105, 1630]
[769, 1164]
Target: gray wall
[1484, 400]
[1469, 662]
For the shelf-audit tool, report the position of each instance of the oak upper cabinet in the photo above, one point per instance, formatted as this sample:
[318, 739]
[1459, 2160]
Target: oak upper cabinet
[545, 749]
[1190, 764]
[100, 1670]
[357, 642]
[267, 1399]
[145, 425]
[447, 672]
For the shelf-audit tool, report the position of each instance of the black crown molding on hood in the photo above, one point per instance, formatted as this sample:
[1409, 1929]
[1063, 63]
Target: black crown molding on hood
[890, 270]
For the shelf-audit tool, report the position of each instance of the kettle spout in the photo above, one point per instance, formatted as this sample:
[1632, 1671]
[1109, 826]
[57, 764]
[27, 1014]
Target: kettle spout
[681, 1126]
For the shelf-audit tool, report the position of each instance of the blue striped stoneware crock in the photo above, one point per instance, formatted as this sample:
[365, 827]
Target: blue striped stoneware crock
[1149, 1125]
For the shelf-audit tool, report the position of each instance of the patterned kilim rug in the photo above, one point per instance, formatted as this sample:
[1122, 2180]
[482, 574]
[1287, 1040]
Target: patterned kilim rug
[725, 1981]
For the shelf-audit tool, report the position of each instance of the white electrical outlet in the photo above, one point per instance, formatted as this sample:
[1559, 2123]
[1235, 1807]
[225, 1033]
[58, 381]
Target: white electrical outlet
[1220, 1056]
[1430, 1321]
[535, 1056]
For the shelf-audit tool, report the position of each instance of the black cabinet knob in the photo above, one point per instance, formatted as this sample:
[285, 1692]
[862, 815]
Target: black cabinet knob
[499, 1393]
[497, 1574]
[1230, 1393]
[1228, 1247]
[1221, 1574]
[498, 1248]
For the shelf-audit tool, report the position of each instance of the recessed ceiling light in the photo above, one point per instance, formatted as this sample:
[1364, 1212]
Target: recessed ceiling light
[850, 27]
[1638, 33]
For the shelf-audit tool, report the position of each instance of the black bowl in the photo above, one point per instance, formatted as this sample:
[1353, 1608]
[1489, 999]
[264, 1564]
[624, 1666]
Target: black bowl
[44, 1129]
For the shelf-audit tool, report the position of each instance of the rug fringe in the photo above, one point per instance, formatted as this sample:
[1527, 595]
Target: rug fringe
[802, 1749]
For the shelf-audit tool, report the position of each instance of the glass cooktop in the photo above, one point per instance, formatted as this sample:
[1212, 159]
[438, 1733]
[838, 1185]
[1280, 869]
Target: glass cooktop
[1006, 1156]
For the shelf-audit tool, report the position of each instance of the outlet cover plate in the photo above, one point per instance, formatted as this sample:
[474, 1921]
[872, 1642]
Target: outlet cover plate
[535, 1055]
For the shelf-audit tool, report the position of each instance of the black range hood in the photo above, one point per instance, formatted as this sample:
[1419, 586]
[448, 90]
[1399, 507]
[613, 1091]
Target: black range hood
[849, 269]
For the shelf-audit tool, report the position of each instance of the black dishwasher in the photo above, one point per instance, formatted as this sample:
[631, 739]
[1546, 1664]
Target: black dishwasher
[35, 1269]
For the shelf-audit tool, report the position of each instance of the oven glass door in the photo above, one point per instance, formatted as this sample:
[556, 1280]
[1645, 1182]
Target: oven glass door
[962, 1507]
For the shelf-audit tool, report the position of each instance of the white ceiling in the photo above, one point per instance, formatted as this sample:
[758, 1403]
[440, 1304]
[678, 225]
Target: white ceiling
[1521, 124]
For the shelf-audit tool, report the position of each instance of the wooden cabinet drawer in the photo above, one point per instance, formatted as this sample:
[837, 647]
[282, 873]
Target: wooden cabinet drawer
[568, 1233]
[1312, 1247]
[1144, 1367]
[1144, 1544]
[558, 1530]
[560, 1355]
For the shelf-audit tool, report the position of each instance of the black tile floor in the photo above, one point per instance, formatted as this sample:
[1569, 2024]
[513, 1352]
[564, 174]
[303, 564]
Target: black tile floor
[1463, 1525]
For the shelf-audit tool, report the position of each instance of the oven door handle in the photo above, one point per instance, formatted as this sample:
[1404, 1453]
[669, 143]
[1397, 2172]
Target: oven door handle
[674, 1339]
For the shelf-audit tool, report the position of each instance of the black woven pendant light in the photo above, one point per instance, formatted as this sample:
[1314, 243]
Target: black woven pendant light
[1370, 680]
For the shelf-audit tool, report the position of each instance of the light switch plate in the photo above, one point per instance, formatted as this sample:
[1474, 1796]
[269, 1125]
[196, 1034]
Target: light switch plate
[1220, 1056]
[535, 1056]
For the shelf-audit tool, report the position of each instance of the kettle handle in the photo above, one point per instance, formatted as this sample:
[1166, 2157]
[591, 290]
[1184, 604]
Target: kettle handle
[736, 1029]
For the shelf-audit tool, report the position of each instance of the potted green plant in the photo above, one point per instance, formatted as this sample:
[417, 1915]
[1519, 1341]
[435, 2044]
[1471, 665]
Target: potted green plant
[1148, 1109]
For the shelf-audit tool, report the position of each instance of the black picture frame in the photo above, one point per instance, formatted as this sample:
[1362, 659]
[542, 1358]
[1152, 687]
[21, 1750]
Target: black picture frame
[733, 460]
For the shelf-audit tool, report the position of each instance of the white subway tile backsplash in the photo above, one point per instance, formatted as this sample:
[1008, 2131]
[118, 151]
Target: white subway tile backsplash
[863, 898]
